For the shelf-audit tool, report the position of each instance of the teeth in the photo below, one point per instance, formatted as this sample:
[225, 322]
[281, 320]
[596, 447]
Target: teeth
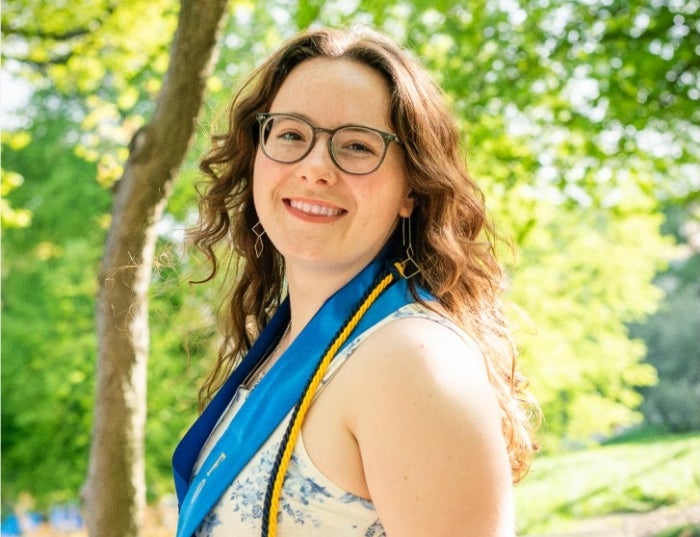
[316, 210]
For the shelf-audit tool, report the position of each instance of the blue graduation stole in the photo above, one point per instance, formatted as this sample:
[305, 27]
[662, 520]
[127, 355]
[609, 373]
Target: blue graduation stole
[276, 394]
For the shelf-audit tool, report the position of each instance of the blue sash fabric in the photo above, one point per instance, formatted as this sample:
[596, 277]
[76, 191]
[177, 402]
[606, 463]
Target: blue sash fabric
[275, 395]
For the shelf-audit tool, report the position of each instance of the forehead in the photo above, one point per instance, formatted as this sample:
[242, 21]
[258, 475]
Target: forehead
[334, 92]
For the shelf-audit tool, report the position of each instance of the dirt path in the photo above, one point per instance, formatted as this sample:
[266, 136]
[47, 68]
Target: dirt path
[636, 524]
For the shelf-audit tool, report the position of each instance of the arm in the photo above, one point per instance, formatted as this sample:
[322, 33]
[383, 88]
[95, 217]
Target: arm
[428, 427]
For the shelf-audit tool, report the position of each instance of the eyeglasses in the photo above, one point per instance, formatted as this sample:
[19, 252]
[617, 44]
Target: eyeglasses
[354, 149]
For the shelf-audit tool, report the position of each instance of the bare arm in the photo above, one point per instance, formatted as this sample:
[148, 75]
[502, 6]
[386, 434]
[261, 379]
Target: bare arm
[429, 432]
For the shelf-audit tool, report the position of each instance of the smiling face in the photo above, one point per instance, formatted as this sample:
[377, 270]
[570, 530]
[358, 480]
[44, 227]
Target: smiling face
[319, 217]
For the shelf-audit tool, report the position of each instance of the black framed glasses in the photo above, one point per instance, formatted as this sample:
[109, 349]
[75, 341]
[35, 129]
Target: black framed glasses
[354, 149]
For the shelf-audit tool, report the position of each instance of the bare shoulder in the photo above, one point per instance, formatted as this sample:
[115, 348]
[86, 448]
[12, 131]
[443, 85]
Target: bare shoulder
[428, 427]
[416, 367]
[424, 354]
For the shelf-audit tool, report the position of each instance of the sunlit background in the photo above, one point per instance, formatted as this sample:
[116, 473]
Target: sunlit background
[581, 123]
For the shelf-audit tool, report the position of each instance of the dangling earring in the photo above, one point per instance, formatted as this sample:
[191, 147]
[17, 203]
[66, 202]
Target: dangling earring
[408, 267]
[259, 232]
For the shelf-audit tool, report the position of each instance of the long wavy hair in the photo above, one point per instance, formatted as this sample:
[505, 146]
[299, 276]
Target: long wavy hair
[453, 242]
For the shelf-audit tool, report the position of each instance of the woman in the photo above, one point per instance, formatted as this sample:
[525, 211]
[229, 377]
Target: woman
[380, 396]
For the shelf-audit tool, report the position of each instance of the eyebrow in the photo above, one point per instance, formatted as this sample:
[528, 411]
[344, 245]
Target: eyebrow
[312, 122]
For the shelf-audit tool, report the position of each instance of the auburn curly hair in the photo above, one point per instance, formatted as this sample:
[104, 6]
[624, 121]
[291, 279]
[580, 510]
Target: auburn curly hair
[453, 241]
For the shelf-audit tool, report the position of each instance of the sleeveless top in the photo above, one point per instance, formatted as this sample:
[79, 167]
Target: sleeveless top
[310, 504]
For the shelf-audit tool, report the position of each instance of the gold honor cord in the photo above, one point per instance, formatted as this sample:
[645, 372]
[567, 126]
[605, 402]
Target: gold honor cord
[274, 492]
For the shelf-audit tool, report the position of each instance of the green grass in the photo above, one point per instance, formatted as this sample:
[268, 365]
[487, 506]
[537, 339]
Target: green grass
[638, 475]
[683, 531]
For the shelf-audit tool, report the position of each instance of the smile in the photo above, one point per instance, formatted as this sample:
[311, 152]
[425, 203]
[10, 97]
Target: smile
[313, 209]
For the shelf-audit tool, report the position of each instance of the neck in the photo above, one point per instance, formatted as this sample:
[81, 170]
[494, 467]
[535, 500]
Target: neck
[308, 290]
[311, 284]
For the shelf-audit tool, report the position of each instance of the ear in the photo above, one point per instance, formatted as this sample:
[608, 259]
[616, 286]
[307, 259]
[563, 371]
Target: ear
[407, 205]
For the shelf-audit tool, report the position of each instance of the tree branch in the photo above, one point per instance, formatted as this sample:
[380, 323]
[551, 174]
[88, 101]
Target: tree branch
[56, 60]
[65, 35]
[28, 33]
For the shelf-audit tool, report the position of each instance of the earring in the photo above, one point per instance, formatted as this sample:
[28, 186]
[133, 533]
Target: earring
[408, 267]
[259, 232]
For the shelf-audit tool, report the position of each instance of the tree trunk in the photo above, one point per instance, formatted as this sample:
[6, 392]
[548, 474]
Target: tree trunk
[115, 491]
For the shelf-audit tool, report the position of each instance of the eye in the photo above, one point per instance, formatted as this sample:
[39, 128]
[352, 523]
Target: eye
[289, 130]
[358, 142]
[359, 147]
[287, 134]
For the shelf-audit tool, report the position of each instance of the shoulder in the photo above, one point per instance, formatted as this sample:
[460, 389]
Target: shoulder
[419, 371]
[424, 351]
[428, 427]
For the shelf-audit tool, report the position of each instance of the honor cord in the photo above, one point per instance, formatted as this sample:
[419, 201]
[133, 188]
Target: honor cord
[284, 455]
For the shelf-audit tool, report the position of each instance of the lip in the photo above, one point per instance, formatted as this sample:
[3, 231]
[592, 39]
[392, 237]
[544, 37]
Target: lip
[313, 210]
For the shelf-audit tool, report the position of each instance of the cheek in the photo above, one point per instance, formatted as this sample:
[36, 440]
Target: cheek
[262, 173]
[267, 172]
[258, 165]
[397, 195]
[258, 182]
[397, 175]
[384, 205]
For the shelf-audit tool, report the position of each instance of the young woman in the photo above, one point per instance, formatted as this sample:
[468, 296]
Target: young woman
[366, 384]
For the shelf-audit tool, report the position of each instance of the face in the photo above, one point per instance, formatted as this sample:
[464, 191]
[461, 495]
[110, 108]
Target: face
[319, 217]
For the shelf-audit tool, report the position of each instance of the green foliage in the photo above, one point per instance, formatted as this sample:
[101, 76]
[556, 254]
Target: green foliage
[49, 280]
[671, 336]
[110, 56]
[49, 346]
[583, 366]
[10, 217]
[99, 47]
[563, 490]
[687, 530]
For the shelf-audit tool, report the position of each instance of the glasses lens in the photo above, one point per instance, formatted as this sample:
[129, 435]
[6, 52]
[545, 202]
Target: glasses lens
[358, 150]
[285, 138]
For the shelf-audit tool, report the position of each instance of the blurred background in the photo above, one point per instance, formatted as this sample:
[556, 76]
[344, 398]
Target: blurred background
[581, 123]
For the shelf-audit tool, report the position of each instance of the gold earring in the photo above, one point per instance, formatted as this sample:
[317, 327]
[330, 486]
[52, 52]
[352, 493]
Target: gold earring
[408, 267]
[259, 244]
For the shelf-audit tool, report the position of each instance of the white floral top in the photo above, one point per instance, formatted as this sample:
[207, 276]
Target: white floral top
[310, 505]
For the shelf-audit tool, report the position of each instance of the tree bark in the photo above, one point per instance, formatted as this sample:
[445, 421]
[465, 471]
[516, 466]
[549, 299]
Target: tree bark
[115, 490]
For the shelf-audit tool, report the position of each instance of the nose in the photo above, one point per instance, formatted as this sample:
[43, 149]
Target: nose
[317, 165]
